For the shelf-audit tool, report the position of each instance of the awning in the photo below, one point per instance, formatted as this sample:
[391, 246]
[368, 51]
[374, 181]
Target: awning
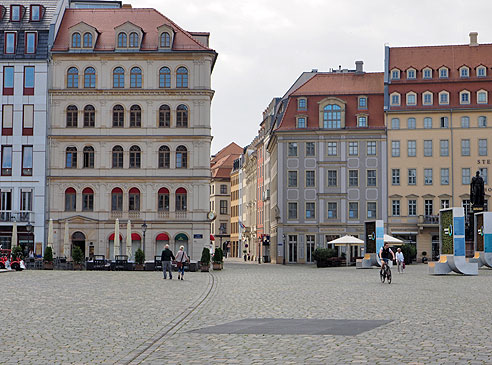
[136, 237]
[162, 237]
[111, 238]
[347, 240]
[212, 238]
[394, 241]
[181, 237]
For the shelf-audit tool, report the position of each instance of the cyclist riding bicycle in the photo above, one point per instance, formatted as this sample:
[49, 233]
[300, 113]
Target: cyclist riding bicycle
[384, 255]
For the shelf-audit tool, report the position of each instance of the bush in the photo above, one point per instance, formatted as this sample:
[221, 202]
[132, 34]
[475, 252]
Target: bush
[139, 257]
[205, 260]
[77, 255]
[409, 252]
[323, 254]
[218, 256]
[17, 252]
[48, 254]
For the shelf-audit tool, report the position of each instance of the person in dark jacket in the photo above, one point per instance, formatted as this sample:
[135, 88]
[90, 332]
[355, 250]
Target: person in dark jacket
[166, 257]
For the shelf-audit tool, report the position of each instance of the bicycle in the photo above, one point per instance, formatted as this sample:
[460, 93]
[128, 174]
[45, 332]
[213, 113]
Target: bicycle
[385, 274]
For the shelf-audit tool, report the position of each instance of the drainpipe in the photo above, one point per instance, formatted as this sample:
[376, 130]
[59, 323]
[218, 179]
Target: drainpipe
[452, 156]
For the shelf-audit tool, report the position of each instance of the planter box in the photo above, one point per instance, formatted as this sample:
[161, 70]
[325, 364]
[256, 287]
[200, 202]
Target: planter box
[78, 266]
[218, 265]
[204, 268]
[139, 267]
[48, 265]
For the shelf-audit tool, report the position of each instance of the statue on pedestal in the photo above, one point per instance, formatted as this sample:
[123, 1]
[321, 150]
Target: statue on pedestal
[477, 191]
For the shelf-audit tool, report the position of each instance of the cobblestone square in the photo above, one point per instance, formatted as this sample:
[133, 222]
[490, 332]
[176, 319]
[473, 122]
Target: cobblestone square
[55, 317]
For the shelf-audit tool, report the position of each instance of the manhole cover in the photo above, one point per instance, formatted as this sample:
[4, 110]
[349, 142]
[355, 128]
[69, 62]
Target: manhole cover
[279, 326]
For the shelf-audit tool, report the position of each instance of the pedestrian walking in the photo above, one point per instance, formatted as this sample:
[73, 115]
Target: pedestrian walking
[400, 261]
[166, 257]
[181, 258]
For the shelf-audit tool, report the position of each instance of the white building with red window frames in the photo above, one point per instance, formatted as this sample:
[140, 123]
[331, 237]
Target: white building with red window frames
[24, 40]
[130, 132]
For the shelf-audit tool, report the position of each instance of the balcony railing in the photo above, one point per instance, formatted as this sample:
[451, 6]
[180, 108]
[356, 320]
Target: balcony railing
[163, 214]
[10, 216]
[134, 214]
[181, 214]
[428, 219]
[116, 214]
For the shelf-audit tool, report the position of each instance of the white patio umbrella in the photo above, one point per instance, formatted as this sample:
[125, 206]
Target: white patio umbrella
[116, 238]
[347, 241]
[66, 241]
[50, 233]
[14, 235]
[129, 239]
[392, 240]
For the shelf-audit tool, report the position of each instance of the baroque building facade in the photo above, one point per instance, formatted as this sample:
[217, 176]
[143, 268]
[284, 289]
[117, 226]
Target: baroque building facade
[130, 131]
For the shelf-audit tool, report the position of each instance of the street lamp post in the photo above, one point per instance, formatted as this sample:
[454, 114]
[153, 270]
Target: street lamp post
[144, 229]
[283, 239]
[222, 232]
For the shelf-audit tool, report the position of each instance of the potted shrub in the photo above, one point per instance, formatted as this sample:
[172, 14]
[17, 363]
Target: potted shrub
[218, 259]
[323, 256]
[205, 260]
[77, 257]
[139, 260]
[48, 258]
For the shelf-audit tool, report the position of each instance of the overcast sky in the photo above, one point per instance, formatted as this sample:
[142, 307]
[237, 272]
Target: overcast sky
[264, 45]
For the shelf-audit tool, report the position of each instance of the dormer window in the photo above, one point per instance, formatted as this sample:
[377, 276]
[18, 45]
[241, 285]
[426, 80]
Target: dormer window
[481, 71]
[2, 11]
[87, 40]
[427, 73]
[362, 102]
[362, 121]
[16, 13]
[122, 41]
[133, 40]
[464, 97]
[395, 99]
[443, 73]
[165, 40]
[427, 98]
[30, 46]
[443, 98]
[10, 42]
[411, 98]
[76, 40]
[464, 72]
[482, 97]
[395, 74]
[302, 104]
[36, 13]
[411, 74]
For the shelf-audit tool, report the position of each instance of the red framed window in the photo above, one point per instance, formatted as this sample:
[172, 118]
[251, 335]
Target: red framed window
[26, 160]
[116, 200]
[30, 43]
[10, 42]
[16, 13]
[36, 13]
[7, 119]
[181, 198]
[27, 119]
[88, 200]
[6, 160]
[163, 200]
[134, 200]
[8, 80]
[29, 80]
[70, 200]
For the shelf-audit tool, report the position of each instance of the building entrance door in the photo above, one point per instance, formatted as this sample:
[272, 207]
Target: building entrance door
[310, 246]
[78, 239]
[292, 248]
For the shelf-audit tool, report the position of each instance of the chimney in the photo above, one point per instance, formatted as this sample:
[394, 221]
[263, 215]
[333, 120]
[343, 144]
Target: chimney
[126, 6]
[473, 39]
[359, 67]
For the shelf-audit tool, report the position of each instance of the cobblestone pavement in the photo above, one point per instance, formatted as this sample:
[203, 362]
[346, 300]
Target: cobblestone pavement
[131, 317]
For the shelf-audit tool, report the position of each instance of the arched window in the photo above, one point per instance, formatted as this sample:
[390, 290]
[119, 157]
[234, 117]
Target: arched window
[118, 116]
[90, 77]
[163, 200]
[76, 40]
[134, 200]
[165, 77]
[135, 116]
[117, 157]
[182, 77]
[88, 200]
[72, 116]
[135, 157]
[133, 40]
[181, 199]
[164, 116]
[116, 200]
[165, 40]
[181, 157]
[122, 43]
[71, 158]
[136, 78]
[89, 116]
[88, 157]
[164, 157]
[332, 116]
[87, 40]
[73, 78]
[182, 116]
[70, 200]
[118, 77]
